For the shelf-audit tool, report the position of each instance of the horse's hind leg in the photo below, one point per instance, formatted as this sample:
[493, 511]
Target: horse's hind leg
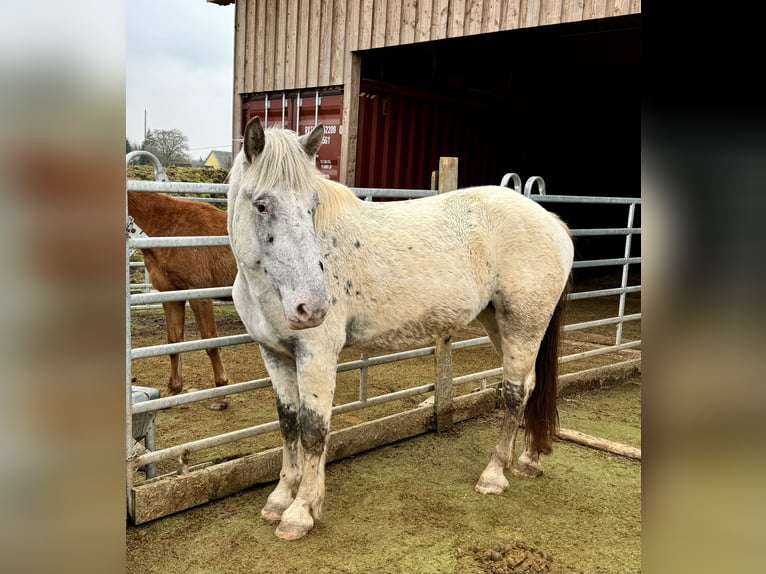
[174, 322]
[519, 352]
[203, 313]
[527, 465]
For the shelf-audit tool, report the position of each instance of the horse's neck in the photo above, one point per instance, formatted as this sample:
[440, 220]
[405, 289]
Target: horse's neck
[153, 212]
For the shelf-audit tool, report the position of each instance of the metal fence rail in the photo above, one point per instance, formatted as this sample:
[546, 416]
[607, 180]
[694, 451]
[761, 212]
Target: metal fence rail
[141, 300]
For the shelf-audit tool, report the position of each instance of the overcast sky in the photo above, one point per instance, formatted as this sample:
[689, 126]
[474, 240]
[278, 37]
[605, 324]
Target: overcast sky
[179, 66]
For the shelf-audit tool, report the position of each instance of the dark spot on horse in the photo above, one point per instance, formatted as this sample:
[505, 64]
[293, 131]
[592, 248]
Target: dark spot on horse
[410, 247]
[357, 244]
[270, 239]
[358, 293]
[334, 300]
[354, 330]
[316, 396]
[288, 420]
[349, 283]
[321, 266]
[334, 241]
[335, 277]
[313, 431]
[265, 271]
[513, 395]
[258, 262]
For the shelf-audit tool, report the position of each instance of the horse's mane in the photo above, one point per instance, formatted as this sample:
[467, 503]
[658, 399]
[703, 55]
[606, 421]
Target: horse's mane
[334, 198]
[283, 163]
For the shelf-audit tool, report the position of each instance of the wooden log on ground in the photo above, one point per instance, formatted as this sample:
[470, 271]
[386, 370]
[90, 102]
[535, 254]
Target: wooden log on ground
[599, 443]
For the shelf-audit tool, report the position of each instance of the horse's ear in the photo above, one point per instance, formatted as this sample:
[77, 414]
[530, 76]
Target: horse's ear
[254, 139]
[312, 141]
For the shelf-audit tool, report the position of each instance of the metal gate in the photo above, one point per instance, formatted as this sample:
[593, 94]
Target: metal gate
[188, 486]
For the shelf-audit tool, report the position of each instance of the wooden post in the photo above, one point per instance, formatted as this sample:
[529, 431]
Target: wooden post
[443, 405]
[447, 174]
[444, 181]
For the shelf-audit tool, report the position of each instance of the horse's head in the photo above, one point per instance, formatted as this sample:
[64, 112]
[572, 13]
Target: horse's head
[274, 198]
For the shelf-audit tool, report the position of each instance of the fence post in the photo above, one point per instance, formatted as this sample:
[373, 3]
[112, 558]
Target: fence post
[446, 181]
[447, 174]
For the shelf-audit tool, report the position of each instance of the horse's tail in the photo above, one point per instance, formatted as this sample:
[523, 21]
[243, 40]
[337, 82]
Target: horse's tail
[541, 417]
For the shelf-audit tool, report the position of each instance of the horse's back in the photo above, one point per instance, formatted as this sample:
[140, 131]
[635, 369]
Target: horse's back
[406, 270]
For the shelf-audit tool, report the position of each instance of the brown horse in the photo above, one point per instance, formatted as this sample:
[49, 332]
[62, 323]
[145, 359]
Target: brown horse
[161, 215]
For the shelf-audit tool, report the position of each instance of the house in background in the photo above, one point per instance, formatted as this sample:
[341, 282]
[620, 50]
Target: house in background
[218, 159]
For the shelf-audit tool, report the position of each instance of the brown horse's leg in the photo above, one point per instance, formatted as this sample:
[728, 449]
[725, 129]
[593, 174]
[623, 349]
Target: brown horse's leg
[203, 313]
[174, 320]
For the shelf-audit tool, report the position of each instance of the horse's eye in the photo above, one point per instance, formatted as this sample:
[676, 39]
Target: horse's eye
[262, 209]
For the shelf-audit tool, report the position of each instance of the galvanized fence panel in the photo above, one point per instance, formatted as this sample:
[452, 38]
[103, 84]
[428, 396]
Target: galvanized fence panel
[138, 297]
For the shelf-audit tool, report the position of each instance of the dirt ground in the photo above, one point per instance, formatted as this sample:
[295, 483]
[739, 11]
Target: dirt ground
[410, 506]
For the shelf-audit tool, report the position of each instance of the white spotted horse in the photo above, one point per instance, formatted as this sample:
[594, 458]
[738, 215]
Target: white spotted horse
[319, 269]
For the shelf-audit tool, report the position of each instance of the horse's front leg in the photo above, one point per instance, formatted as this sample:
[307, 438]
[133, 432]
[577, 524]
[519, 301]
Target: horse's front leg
[284, 381]
[175, 312]
[316, 379]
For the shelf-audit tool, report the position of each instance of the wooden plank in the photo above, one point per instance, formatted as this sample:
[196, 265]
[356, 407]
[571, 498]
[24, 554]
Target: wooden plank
[594, 9]
[510, 16]
[550, 12]
[409, 19]
[572, 10]
[490, 21]
[423, 21]
[352, 33]
[325, 43]
[456, 18]
[620, 7]
[291, 43]
[365, 24]
[240, 35]
[348, 143]
[443, 405]
[302, 44]
[165, 496]
[600, 443]
[338, 56]
[393, 22]
[259, 42]
[378, 24]
[440, 10]
[280, 44]
[635, 7]
[312, 56]
[530, 13]
[598, 377]
[473, 14]
[269, 45]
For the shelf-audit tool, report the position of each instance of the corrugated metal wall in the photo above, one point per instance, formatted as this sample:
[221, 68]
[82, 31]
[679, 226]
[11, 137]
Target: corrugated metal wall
[295, 44]
[403, 132]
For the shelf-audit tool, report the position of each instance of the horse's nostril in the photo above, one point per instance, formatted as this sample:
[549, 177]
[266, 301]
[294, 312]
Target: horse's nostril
[302, 312]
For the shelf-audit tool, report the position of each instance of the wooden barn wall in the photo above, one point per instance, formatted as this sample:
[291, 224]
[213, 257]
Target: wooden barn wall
[295, 44]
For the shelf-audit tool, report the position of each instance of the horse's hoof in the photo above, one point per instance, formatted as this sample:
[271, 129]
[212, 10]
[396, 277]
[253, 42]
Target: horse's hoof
[218, 405]
[270, 515]
[527, 470]
[291, 531]
[490, 488]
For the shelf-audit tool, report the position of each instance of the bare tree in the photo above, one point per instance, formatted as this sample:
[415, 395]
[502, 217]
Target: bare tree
[170, 146]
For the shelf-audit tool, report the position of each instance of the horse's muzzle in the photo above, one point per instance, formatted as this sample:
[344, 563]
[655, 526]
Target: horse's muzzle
[305, 315]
